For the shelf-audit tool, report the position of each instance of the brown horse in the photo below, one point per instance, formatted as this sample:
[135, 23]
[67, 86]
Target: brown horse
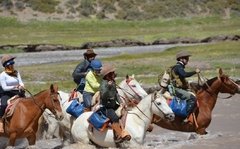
[206, 96]
[24, 121]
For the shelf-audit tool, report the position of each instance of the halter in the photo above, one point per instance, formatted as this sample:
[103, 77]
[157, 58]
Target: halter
[39, 106]
[128, 81]
[152, 101]
[209, 87]
[126, 92]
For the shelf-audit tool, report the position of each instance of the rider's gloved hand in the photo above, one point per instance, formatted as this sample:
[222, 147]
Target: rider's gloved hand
[197, 70]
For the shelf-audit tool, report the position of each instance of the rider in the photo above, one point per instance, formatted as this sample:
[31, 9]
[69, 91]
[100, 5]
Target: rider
[10, 84]
[82, 68]
[110, 101]
[178, 77]
[93, 79]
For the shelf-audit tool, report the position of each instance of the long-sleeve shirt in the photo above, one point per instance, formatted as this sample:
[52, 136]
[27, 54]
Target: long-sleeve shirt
[109, 97]
[8, 82]
[92, 82]
[180, 75]
[80, 71]
[179, 70]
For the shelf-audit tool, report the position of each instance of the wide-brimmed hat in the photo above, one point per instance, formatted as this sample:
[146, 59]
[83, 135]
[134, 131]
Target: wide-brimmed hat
[182, 54]
[106, 69]
[7, 60]
[89, 52]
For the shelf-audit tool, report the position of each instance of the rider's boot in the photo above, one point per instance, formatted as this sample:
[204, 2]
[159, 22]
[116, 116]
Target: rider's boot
[1, 126]
[121, 135]
[191, 103]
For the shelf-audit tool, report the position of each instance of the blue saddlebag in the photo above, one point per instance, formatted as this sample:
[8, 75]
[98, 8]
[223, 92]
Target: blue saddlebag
[98, 120]
[179, 107]
[75, 108]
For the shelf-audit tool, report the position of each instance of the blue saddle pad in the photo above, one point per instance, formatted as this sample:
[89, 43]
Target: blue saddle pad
[179, 107]
[98, 120]
[75, 108]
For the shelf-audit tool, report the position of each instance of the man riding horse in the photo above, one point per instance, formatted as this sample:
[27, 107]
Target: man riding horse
[178, 80]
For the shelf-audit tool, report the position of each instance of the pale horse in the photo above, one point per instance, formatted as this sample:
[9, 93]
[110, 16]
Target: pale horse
[137, 122]
[129, 90]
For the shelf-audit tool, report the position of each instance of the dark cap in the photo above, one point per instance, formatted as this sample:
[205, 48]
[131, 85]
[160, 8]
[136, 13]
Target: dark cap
[89, 52]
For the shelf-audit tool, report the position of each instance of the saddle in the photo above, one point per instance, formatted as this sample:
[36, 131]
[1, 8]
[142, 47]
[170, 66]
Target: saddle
[100, 122]
[12, 103]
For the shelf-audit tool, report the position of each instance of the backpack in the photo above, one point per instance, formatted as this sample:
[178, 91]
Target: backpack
[165, 79]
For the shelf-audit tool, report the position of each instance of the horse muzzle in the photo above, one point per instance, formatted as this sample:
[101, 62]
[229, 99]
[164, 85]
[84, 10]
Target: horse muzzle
[59, 116]
[170, 116]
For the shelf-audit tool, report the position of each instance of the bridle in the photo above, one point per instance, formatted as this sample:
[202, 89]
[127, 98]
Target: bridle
[211, 92]
[126, 92]
[41, 107]
[152, 101]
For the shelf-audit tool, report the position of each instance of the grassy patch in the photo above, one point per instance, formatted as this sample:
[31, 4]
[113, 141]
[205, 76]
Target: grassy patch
[146, 67]
[77, 33]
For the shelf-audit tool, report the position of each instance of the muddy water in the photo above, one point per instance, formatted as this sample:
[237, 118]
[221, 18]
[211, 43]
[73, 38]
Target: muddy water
[223, 133]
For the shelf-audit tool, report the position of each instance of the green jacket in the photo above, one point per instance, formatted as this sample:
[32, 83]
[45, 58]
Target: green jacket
[109, 97]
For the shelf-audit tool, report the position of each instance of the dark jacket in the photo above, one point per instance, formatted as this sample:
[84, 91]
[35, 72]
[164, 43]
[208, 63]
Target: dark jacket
[179, 76]
[80, 71]
[109, 97]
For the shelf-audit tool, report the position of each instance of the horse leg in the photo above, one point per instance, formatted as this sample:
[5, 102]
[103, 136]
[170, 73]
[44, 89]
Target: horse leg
[31, 139]
[201, 131]
[12, 139]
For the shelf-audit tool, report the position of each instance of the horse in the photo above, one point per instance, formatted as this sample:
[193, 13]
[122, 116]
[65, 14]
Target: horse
[206, 98]
[137, 122]
[129, 90]
[23, 123]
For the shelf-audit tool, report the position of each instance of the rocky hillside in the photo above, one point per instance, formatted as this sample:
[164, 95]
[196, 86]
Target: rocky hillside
[116, 9]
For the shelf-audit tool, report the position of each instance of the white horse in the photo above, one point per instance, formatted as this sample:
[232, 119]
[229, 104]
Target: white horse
[128, 89]
[137, 122]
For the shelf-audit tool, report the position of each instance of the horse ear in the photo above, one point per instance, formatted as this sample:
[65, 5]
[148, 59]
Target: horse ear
[53, 88]
[154, 95]
[127, 76]
[133, 76]
[220, 72]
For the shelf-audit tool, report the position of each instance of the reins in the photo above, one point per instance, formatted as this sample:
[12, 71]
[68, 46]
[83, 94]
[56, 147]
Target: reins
[152, 101]
[40, 107]
[211, 92]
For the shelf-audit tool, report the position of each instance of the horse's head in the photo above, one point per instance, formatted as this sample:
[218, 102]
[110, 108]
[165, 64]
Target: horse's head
[132, 88]
[160, 107]
[53, 103]
[228, 85]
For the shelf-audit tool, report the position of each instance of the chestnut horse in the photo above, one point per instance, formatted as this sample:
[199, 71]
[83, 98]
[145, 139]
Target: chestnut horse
[206, 97]
[23, 123]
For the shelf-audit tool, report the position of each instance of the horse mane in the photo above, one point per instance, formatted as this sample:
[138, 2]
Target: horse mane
[208, 83]
[40, 92]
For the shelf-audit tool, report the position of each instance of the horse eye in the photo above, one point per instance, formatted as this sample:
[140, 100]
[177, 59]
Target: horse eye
[133, 85]
[159, 103]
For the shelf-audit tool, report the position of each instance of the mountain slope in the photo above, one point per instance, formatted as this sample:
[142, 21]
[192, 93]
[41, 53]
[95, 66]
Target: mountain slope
[116, 9]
